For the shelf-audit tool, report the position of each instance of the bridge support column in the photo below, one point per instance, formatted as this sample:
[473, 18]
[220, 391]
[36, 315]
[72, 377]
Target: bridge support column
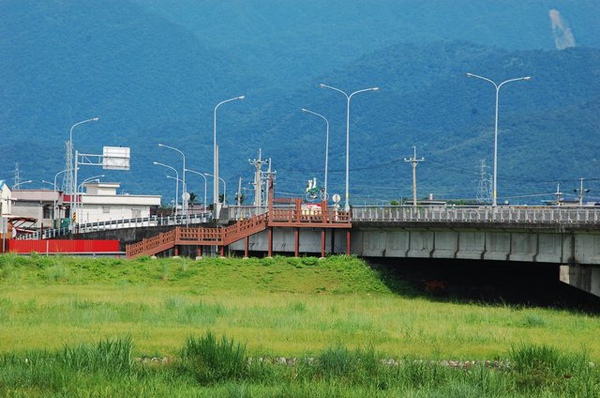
[246, 244]
[296, 242]
[270, 242]
[348, 248]
[323, 236]
[584, 277]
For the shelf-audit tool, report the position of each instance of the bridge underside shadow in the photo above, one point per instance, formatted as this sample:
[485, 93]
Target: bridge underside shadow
[489, 282]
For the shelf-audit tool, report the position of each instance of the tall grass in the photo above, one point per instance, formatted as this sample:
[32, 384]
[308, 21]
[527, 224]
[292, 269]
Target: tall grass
[278, 327]
[211, 360]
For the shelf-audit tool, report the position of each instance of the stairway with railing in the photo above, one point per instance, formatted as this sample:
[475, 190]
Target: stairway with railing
[294, 217]
[200, 236]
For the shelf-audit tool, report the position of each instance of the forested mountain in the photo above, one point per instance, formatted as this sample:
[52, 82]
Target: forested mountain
[153, 72]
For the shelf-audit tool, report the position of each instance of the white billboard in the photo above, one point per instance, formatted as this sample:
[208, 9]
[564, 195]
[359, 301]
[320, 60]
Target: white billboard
[115, 158]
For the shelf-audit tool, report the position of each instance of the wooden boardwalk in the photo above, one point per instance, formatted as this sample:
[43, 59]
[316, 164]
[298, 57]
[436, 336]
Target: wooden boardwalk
[296, 217]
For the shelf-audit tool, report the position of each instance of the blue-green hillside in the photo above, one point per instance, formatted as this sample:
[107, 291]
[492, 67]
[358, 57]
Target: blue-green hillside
[153, 72]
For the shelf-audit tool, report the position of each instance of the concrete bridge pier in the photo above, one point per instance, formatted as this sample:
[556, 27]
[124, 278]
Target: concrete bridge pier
[584, 277]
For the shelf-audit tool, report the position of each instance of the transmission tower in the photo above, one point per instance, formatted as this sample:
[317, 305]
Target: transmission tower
[484, 189]
[67, 184]
[17, 175]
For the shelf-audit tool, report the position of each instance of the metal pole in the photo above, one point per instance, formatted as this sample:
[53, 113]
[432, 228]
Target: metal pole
[216, 156]
[183, 185]
[176, 181]
[497, 87]
[326, 146]
[348, 99]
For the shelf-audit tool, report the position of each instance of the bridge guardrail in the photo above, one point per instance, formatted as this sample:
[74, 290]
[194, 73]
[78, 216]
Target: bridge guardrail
[499, 214]
[122, 223]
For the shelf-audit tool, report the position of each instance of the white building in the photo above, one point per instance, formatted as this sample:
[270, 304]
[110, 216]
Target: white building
[100, 202]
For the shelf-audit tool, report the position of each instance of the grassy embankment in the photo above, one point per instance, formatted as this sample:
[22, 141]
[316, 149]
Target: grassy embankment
[71, 325]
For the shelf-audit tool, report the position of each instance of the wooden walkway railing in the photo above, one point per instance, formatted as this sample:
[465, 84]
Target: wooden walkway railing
[224, 236]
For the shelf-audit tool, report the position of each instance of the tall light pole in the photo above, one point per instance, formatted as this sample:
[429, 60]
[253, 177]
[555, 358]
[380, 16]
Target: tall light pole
[205, 183]
[55, 186]
[71, 185]
[348, 98]
[326, 145]
[176, 181]
[183, 196]
[224, 186]
[497, 86]
[216, 156]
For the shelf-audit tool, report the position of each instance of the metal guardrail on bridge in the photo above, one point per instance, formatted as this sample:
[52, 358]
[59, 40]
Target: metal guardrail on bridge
[152, 221]
[466, 214]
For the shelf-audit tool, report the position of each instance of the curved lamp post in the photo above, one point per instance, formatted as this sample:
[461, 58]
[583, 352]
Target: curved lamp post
[184, 201]
[216, 156]
[56, 189]
[81, 185]
[176, 181]
[205, 183]
[497, 87]
[326, 144]
[348, 98]
[71, 186]
[21, 183]
[224, 186]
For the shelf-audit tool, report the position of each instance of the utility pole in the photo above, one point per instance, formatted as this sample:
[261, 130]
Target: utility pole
[558, 194]
[257, 178]
[414, 161]
[581, 191]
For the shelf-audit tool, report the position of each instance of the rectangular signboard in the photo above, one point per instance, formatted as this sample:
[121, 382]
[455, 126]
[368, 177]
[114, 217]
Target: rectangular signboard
[115, 158]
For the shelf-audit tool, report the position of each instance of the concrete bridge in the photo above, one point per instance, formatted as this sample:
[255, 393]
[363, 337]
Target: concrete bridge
[567, 236]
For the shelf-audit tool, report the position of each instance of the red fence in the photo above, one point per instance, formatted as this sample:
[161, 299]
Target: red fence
[62, 246]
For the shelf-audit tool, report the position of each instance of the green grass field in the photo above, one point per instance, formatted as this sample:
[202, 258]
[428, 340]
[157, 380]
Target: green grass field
[101, 321]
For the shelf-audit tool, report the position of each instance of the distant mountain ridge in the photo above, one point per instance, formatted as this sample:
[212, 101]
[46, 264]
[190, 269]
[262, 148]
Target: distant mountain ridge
[153, 72]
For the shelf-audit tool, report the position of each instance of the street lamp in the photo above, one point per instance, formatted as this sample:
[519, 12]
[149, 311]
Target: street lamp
[176, 181]
[224, 185]
[72, 176]
[205, 183]
[56, 189]
[184, 196]
[71, 184]
[21, 183]
[97, 178]
[216, 156]
[348, 98]
[497, 86]
[326, 145]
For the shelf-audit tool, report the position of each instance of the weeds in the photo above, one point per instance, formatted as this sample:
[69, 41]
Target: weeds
[210, 360]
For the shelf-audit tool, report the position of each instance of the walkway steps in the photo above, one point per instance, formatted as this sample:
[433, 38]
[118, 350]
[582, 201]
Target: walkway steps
[202, 236]
[224, 236]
